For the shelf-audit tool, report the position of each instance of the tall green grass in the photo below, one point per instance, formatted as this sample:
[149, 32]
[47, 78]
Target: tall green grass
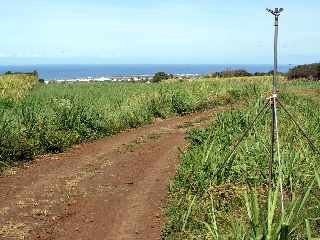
[51, 118]
[236, 203]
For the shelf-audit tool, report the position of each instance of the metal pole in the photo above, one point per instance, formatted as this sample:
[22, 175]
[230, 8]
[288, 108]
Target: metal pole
[272, 146]
[275, 70]
[276, 130]
[274, 92]
[274, 99]
[276, 13]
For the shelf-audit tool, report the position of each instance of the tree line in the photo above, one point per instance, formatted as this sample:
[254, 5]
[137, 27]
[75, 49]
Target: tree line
[306, 71]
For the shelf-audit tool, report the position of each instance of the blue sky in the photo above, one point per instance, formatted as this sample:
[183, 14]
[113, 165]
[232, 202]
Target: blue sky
[153, 31]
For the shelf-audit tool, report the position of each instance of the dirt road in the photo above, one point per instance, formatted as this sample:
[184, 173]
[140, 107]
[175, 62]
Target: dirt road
[113, 188]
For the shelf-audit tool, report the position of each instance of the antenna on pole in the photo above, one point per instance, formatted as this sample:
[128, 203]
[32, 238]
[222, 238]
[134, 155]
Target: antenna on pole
[274, 100]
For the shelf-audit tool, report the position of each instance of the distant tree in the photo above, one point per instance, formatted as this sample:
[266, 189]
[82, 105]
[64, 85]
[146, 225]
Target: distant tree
[8, 72]
[41, 80]
[279, 73]
[307, 71]
[235, 73]
[35, 73]
[160, 76]
[261, 74]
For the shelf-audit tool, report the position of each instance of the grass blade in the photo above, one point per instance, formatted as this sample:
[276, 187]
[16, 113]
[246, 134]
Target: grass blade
[186, 216]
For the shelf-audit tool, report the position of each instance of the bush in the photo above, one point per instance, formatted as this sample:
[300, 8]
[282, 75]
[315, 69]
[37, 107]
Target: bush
[181, 103]
[261, 74]
[13, 144]
[160, 76]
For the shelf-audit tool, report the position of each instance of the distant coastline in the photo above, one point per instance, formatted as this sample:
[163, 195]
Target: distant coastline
[101, 72]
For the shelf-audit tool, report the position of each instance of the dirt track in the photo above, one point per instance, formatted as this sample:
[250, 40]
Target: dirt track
[113, 188]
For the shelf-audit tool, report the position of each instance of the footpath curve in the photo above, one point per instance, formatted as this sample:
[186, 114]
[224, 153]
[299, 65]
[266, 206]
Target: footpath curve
[113, 188]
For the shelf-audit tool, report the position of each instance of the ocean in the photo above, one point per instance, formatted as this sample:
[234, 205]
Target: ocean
[64, 72]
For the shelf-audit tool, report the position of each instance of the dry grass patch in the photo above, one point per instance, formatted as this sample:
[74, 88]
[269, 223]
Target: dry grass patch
[14, 86]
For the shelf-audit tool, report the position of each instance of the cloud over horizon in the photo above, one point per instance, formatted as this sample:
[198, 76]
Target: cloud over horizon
[149, 31]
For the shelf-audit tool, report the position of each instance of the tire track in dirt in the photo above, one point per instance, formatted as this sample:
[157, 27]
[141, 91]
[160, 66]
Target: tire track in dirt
[113, 188]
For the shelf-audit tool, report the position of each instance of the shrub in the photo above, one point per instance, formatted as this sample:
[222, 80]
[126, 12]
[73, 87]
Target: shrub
[181, 103]
[160, 76]
[13, 144]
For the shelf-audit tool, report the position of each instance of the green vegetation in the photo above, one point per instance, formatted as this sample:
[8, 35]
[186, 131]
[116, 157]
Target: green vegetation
[235, 203]
[161, 76]
[51, 118]
[241, 73]
[307, 71]
[231, 73]
[15, 85]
